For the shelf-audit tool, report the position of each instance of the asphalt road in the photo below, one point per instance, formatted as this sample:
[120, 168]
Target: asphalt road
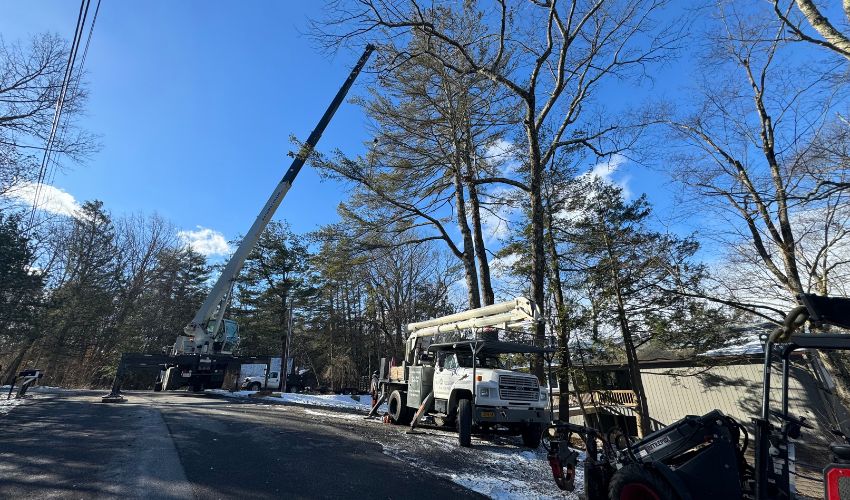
[180, 445]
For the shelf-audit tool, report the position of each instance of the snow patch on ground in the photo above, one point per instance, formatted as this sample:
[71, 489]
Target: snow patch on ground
[496, 488]
[6, 405]
[332, 401]
[346, 416]
[499, 469]
[328, 401]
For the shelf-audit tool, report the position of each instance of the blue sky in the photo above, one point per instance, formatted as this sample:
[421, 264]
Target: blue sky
[194, 103]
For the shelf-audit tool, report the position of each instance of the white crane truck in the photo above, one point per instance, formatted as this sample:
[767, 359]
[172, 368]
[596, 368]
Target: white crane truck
[463, 382]
[202, 354]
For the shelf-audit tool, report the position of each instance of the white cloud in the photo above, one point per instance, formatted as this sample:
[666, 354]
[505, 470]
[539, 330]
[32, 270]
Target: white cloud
[500, 153]
[500, 266]
[495, 226]
[498, 150]
[605, 170]
[50, 199]
[205, 241]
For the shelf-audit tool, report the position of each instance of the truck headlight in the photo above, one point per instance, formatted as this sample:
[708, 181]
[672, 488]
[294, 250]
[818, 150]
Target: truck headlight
[484, 392]
[543, 396]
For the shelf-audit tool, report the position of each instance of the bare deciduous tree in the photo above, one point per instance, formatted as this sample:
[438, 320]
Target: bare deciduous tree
[831, 37]
[30, 82]
[749, 143]
[560, 54]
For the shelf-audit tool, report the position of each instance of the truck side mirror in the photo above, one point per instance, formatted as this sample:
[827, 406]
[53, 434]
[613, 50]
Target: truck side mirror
[441, 358]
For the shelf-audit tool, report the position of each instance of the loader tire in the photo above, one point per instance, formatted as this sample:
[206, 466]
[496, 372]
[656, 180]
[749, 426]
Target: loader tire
[635, 482]
[464, 423]
[400, 414]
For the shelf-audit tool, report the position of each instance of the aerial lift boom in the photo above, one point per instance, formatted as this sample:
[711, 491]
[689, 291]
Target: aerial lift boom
[505, 315]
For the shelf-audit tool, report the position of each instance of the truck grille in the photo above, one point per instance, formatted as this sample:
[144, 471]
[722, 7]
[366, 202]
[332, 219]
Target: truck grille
[515, 388]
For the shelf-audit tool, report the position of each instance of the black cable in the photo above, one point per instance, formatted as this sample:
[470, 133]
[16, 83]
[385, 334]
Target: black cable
[82, 65]
[66, 80]
[72, 54]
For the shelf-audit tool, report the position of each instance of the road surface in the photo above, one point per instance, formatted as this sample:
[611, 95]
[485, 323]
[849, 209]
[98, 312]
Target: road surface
[67, 444]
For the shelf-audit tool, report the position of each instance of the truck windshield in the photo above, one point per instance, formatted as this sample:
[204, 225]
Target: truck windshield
[483, 361]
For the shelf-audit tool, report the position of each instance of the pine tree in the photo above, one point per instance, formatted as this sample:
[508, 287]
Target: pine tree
[21, 289]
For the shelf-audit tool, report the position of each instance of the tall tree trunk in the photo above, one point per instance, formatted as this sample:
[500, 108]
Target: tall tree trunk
[538, 255]
[15, 364]
[487, 295]
[284, 341]
[628, 342]
[563, 324]
[468, 247]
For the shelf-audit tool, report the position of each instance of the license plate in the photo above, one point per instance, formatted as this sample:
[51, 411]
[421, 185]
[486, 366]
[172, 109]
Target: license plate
[488, 414]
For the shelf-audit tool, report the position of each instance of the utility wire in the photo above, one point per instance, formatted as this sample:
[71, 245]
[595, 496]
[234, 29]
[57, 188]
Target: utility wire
[60, 101]
[80, 67]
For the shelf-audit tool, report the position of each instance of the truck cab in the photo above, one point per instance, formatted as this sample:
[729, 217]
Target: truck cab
[257, 383]
[500, 399]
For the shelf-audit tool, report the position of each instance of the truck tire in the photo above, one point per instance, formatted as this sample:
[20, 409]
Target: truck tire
[531, 434]
[635, 482]
[254, 386]
[397, 408]
[157, 387]
[464, 423]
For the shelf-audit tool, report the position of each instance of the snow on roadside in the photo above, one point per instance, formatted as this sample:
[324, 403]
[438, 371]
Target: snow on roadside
[346, 416]
[329, 401]
[499, 470]
[6, 405]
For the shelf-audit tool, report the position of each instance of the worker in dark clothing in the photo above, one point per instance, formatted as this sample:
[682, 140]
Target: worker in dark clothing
[373, 389]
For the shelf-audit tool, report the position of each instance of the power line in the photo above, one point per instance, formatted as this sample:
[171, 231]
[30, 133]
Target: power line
[82, 65]
[60, 101]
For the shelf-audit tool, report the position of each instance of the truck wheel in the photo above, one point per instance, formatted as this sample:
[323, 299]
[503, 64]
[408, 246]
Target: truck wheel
[157, 387]
[531, 435]
[464, 422]
[397, 408]
[255, 386]
[634, 482]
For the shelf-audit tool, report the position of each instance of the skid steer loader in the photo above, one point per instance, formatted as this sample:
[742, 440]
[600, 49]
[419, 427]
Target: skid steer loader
[703, 457]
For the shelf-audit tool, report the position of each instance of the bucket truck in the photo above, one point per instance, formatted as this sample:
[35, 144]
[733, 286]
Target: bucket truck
[200, 356]
[461, 381]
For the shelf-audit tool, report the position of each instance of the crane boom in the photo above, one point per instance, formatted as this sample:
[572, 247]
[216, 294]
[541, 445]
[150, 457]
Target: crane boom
[198, 337]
